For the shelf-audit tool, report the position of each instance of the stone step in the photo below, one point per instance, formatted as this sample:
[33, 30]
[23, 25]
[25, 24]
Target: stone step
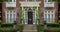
[29, 28]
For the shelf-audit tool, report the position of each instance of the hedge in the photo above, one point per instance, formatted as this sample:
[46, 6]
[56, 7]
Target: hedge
[7, 24]
[53, 25]
[52, 30]
[7, 30]
[11, 29]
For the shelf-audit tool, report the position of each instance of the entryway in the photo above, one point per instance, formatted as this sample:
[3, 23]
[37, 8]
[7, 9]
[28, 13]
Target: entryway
[30, 17]
[29, 28]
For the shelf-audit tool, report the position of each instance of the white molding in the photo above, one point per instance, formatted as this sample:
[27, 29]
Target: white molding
[47, 17]
[29, 4]
[10, 16]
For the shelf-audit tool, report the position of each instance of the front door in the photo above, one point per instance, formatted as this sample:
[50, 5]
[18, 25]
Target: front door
[30, 17]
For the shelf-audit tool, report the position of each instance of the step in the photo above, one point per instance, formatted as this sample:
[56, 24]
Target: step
[29, 30]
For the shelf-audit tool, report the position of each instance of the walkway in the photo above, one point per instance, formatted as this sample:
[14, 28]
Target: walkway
[29, 28]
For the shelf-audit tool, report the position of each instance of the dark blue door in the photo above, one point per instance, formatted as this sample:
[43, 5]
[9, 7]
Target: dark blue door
[30, 17]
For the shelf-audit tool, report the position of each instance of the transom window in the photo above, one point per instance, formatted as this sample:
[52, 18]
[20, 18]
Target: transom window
[49, 16]
[10, 0]
[10, 16]
[49, 0]
[31, 0]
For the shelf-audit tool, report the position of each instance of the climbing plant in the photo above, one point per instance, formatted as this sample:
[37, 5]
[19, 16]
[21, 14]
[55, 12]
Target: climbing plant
[37, 14]
[22, 14]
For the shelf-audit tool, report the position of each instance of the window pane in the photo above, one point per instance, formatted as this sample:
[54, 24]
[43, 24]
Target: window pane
[45, 11]
[49, 17]
[8, 0]
[48, 11]
[45, 0]
[51, 11]
[14, 0]
[30, 0]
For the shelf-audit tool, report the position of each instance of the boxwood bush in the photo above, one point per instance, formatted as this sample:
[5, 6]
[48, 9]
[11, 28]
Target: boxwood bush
[40, 28]
[53, 25]
[52, 30]
[7, 24]
[8, 30]
[11, 29]
[20, 27]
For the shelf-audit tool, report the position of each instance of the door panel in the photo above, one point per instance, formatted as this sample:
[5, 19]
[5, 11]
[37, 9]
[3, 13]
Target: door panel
[30, 17]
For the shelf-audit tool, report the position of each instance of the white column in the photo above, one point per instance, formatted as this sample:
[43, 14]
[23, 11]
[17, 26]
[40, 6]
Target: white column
[37, 12]
[47, 16]
[22, 21]
[8, 16]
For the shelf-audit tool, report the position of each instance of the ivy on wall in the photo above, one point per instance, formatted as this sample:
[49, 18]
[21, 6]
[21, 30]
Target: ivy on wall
[37, 14]
[22, 13]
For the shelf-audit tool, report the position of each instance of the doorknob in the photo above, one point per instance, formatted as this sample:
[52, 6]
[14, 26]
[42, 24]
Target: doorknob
[29, 19]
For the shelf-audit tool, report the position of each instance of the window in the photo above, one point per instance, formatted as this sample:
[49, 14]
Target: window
[31, 0]
[45, 0]
[10, 16]
[10, 0]
[49, 16]
[49, 0]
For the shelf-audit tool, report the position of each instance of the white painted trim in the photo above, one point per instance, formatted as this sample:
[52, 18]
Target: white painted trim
[30, 4]
[10, 16]
[51, 17]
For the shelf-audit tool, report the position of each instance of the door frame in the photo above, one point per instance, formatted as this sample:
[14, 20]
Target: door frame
[26, 16]
[31, 18]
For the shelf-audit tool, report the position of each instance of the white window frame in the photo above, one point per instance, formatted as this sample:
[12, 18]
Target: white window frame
[10, 19]
[11, 0]
[51, 18]
[45, 0]
[32, 0]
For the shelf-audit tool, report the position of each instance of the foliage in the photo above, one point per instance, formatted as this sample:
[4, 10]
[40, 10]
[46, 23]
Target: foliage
[40, 28]
[7, 29]
[20, 27]
[7, 24]
[51, 29]
[11, 29]
[53, 24]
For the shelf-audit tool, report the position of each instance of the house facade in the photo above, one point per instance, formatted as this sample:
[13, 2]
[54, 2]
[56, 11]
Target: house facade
[29, 11]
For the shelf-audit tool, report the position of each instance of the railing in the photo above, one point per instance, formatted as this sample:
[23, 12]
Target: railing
[10, 4]
[48, 4]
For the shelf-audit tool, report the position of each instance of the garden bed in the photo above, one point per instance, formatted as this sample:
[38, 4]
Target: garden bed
[50, 28]
[9, 27]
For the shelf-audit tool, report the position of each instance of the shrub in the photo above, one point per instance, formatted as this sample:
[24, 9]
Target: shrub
[7, 29]
[53, 24]
[7, 25]
[52, 30]
[20, 27]
[40, 27]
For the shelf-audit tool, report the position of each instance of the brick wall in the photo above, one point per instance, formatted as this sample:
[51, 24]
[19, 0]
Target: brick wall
[41, 11]
[3, 11]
